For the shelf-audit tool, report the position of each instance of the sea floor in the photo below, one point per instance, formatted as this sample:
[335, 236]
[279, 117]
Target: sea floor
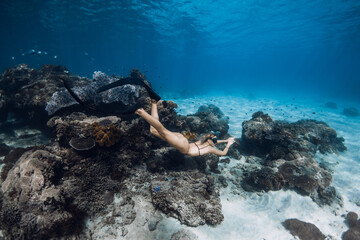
[255, 216]
[259, 216]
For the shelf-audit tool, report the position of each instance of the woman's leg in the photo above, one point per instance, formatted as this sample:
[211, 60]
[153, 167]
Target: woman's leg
[154, 113]
[174, 139]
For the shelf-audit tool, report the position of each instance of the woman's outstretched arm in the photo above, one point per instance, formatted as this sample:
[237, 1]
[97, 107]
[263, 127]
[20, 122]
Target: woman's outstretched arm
[223, 141]
[229, 141]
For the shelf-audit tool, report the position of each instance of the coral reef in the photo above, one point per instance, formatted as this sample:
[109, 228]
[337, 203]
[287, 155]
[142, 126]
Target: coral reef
[49, 190]
[105, 135]
[190, 197]
[208, 118]
[262, 136]
[288, 150]
[25, 91]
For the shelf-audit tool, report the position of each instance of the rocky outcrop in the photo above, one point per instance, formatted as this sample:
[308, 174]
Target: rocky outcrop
[303, 230]
[190, 197]
[288, 150]
[25, 91]
[354, 224]
[274, 140]
[208, 118]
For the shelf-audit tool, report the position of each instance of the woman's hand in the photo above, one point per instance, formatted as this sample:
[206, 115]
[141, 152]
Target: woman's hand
[231, 140]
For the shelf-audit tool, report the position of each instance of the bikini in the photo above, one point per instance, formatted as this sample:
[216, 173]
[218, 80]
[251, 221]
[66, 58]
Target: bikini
[200, 148]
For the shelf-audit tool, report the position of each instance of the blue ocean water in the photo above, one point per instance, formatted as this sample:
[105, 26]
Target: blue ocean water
[305, 47]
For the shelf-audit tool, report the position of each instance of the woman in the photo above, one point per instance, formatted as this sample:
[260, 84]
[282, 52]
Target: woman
[178, 141]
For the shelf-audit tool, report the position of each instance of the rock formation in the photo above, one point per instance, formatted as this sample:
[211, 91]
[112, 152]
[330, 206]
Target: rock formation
[303, 230]
[288, 150]
[354, 225]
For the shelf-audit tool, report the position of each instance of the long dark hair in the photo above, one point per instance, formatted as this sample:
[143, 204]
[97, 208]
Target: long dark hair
[206, 137]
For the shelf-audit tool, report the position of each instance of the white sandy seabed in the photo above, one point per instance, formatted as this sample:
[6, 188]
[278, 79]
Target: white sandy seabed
[255, 216]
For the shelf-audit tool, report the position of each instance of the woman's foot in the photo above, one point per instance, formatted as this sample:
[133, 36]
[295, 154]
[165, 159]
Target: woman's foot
[139, 111]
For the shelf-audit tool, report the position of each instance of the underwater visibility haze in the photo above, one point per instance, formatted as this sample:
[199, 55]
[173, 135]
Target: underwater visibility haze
[265, 94]
[310, 47]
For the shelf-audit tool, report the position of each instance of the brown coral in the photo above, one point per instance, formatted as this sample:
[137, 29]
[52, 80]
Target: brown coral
[105, 135]
[189, 135]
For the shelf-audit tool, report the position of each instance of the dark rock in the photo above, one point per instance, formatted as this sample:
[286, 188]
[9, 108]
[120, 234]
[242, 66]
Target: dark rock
[264, 179]
[82, 144]
[152, 225]
[331, 105]
[208, 118]
[302, 175]
[305, 176]
[213, 163]
[225, 160]
[354, 224]
[327, 196]
[303, 230]
[222, 181]
[351, 112]
[190, 197]
[26, 91]
[184, 234]
[4, 149]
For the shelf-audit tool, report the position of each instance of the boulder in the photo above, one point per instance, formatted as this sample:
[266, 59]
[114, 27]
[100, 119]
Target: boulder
[351, 112]
[303, 230]
[184, 234]
[354, 224]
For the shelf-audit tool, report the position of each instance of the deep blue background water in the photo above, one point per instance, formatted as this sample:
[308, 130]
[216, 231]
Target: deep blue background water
[303, 47]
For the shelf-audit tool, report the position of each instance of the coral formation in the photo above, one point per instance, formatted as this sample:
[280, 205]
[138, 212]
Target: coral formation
[105, 135]
[288, 150]
[191, 197]
[82, 144]
[49, 190]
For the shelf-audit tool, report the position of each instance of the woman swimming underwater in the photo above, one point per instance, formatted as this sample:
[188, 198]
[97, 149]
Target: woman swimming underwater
[178, 141]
